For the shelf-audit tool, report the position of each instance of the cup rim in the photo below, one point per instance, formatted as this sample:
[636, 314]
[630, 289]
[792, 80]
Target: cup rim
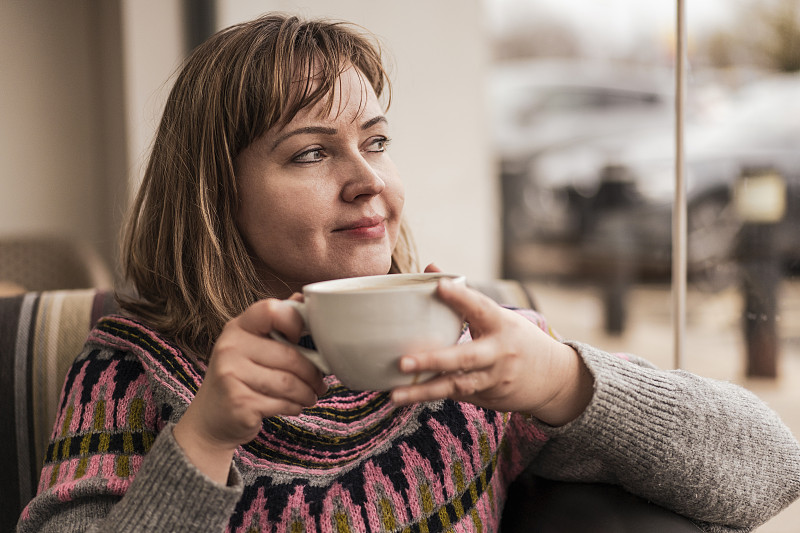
[337, 285]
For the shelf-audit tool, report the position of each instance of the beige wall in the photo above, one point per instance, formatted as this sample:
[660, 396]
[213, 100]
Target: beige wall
[153, 50]
[50, 132]
[71, 151]
[81, 86]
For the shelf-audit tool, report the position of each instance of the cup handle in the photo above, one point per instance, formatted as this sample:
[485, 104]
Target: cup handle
[311, 355]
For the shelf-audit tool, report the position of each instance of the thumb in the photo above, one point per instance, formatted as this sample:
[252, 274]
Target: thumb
[476, 308]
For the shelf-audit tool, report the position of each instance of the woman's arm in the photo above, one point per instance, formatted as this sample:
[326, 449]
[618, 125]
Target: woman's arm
[105, 476]
[250, 377]
[709, 450]
[167, 494]
[111, 470]
[706, 449]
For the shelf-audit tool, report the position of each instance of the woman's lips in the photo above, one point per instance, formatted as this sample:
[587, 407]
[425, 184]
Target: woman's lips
[366, 227]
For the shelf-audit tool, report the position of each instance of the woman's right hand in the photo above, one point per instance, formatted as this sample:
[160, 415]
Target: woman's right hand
[249, 377]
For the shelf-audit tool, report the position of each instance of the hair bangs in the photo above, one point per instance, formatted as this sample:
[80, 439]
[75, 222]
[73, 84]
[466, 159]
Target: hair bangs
[322, 53]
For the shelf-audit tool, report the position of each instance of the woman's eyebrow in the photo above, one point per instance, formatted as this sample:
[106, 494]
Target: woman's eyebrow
[326, 131]
[299, 131]
[373, 121]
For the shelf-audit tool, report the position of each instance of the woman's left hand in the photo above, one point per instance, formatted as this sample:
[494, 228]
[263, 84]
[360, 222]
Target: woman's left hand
[511, 364]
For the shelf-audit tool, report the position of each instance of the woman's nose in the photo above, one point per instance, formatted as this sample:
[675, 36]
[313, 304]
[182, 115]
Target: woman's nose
[361, 179]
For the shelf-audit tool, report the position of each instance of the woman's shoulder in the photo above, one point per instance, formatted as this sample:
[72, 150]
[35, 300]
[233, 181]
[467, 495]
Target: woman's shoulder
[123, 332]
[124, 338]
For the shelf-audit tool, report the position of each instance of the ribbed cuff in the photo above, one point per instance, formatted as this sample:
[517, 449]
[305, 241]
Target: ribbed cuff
[634, 409]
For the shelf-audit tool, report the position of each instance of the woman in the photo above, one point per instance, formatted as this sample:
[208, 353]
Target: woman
[270, 171]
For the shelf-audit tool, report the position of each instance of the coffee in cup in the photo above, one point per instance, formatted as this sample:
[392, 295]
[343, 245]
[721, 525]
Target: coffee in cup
[362, 326]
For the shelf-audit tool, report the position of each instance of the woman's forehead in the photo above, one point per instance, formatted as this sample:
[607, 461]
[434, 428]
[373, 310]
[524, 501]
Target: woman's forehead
[351, 97]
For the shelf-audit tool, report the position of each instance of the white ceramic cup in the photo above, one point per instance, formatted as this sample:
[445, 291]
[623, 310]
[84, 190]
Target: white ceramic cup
[362, 326]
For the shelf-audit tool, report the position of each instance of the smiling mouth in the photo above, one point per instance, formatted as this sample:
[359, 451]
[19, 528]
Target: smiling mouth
[366, 223]
[365, 228]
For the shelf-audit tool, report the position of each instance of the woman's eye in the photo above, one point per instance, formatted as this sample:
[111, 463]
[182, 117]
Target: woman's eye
[378, 144]
[310, 156]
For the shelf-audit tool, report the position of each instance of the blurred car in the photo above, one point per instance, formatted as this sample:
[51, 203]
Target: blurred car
[541, 104]
[606, 202]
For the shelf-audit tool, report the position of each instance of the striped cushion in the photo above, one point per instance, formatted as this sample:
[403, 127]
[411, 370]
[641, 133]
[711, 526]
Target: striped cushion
[40, 334]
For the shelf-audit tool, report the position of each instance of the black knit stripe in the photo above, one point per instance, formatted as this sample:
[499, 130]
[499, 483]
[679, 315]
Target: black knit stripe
[334, 444]
[87, 444]
[163, 353]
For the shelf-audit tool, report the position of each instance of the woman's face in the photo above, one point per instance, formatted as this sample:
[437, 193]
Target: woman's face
[320, 198]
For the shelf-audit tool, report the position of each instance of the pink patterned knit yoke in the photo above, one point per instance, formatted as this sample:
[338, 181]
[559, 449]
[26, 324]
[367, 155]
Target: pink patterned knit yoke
[353, 462]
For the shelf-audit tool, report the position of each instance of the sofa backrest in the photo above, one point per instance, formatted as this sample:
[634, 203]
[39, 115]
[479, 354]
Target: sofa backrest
[40, 335]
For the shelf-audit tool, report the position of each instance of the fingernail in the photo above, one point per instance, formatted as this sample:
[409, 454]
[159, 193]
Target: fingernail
[407, 364]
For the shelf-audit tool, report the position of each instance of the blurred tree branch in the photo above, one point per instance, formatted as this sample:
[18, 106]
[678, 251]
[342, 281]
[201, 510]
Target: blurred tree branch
[783, 46]
[765, 34]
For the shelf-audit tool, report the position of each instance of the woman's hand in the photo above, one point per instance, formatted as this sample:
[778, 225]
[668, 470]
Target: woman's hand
[511, 365]
[249, 377]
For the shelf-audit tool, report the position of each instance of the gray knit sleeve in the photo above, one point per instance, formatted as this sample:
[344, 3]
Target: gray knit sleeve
[168, 494]
[709, 450]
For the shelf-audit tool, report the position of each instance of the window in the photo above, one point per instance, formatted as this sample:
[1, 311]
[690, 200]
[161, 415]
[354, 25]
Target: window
[587, 149]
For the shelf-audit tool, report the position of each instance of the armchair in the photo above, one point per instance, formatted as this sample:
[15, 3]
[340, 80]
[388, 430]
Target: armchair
[41, 333]
[49, 262]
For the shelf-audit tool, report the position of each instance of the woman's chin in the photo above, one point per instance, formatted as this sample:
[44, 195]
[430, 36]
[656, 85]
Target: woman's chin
[371, 268]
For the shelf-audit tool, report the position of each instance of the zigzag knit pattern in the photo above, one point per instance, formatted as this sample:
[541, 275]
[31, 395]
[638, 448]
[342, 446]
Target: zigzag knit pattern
[351, 463]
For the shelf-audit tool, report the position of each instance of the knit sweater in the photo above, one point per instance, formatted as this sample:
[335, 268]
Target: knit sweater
[354, 462]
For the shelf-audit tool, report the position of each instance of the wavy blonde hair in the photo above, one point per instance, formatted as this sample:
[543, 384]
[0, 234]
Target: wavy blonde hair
[182, 252]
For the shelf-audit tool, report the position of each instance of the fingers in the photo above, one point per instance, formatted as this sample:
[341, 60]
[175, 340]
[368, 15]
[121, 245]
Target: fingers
[432, 268]
[284, 358]
[458, 358]
[488, 371]
[251, 377]
[280, 384]
[253, 360]
[464, 370]
[244, 340]
[272, 314]
[483, 315]
[268, 404]
[455, 385]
